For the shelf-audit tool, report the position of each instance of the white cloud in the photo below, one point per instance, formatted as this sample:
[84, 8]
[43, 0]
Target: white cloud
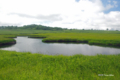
[115, 3]
[109, 6]
[85, 14]
[109, 1]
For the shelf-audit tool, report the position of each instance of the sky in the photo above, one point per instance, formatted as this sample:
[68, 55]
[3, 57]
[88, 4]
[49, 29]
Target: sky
[71, 14]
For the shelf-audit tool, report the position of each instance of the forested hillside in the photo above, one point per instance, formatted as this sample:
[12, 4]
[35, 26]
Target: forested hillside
[33, 26]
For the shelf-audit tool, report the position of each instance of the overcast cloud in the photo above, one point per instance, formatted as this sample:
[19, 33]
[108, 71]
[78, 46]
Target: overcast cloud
[80, 14]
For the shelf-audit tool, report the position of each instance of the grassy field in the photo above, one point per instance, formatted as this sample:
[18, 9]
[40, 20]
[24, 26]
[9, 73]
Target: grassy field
[108, 39]
[27, 66]
[93, 37]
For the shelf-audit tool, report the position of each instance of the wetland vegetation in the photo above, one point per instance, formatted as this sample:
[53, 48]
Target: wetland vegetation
[27, 66]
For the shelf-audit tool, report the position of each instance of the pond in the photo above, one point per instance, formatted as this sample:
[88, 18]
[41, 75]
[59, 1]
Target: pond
[35, 45]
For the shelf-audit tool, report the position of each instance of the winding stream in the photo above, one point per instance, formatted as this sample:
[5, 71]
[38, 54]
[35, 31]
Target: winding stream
[35, 45]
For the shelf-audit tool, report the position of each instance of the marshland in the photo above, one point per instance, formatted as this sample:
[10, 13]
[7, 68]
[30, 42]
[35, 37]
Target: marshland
[28, 65]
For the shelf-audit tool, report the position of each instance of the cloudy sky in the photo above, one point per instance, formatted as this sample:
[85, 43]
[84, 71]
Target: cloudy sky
[79, 14]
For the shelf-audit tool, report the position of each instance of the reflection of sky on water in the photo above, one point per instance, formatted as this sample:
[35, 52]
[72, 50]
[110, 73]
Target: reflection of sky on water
[34, 45]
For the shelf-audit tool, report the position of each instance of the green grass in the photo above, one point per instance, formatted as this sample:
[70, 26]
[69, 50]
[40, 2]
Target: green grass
[6, 41]
[27, 66]
[94, 37]
[24, 31]
[109, 39]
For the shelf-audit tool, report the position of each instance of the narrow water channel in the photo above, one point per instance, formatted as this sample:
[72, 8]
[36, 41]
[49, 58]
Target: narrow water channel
[35, 45]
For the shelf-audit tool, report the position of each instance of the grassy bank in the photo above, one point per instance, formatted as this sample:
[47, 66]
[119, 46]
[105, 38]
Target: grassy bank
[6, 41]
[94, 37]
[106, 39]
[27, 66]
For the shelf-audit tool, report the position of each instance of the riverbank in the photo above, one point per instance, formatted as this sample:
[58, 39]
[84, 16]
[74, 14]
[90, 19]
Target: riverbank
[103, 39]
[7, 41]
[27, 66]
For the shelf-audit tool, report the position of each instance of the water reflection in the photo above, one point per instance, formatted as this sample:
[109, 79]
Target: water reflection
[35, 45]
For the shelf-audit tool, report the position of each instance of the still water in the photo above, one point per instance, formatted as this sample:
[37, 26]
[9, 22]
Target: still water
[35, 45]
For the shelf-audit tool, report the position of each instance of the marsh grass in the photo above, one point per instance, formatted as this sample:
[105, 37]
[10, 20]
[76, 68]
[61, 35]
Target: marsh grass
[27, 66]
[90, 38]
[94, 37]
[4, 41]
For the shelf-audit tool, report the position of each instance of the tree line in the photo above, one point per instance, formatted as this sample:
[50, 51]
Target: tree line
[33, 26]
